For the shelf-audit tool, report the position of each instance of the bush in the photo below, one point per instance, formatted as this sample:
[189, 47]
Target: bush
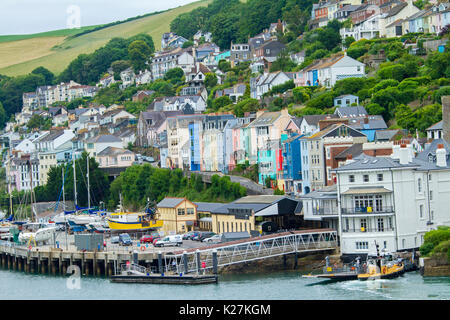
[433, 238]
[397, 72]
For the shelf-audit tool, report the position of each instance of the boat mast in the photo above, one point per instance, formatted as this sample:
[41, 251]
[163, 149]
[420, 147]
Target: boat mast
[64, 205]
[32, 190]
[74, 184]
[88, 185]
[9, 181]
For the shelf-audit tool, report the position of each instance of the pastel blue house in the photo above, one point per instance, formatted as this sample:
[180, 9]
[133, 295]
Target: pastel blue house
[292, 164]
[223, 56]
[194, 149]
[346, 100]
[304, 156]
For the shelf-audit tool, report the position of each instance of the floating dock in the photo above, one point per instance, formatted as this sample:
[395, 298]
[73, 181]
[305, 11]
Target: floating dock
[165, 279]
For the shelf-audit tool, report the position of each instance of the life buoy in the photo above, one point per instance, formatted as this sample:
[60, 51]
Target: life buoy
[142, 248]
[383, 269]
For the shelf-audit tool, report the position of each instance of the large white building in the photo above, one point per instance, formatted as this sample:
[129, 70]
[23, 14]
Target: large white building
[393, 201]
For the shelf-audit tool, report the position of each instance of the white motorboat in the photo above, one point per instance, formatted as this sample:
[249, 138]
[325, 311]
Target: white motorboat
[41, 235]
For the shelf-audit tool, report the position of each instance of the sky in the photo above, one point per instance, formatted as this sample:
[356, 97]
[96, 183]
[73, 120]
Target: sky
[34, 16]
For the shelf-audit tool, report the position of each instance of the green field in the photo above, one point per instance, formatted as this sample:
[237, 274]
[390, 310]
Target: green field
[54, 50]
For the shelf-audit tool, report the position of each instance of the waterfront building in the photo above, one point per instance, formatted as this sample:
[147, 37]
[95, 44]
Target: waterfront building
[179, 215]
[393, 200]
[292, 164]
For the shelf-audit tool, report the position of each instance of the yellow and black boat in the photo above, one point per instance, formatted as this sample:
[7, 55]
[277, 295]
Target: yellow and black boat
[382, 267]
[134, 221]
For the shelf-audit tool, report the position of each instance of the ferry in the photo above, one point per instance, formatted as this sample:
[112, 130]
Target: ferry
[382, 267]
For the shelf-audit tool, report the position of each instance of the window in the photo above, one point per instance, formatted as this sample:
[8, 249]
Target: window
[363, 225]
[419, 185]
[180, 212]
[380, 224]
[431, 195]
[351, 178]
[421, 211]
[432, 215]
[190, 210]
[380, 177]
[361, 245]
[366, 178]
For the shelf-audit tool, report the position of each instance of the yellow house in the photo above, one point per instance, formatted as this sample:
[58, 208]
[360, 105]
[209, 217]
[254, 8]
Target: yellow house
[179, 215]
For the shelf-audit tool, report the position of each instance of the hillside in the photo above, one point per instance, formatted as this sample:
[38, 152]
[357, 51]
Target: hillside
[56, 50]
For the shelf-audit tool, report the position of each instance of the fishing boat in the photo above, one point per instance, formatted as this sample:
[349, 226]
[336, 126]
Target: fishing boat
[134, 221]
[382, 267]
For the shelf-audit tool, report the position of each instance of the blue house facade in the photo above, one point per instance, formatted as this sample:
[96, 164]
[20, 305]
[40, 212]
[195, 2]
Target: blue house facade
[194, 139]
[304, 156]
[292, 165]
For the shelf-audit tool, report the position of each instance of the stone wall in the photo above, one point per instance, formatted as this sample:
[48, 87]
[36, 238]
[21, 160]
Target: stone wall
[446, 117]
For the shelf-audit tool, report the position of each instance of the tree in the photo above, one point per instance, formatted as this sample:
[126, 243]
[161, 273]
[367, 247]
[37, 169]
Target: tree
[210, 80]
[3, 117]
[348, 41]
[174, 76]
[139, 53]
[119, 66]
[47, 74]
[187, 44]
[283, 63]
[221, 102]
[224, 66]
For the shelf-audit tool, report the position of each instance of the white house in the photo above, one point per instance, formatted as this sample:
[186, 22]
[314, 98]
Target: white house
[393, 201]
[266, 81]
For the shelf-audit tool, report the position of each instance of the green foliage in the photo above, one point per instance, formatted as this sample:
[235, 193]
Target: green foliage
[278, 192]
[433, 238]
[210, 80]
[281, 88]
[221, 102]
[438, 94]
[88, 68]
[3, 116]
[224, 66]
[348, 41]
[139, 52]
[175, 76]
[420, 119]
[246, 105]
[283, 63]
[438, 64]
[137, 183]
[187, 44]
[99, 183]
[47, 74]
[396, 71]
[322, 100]
[301, 94]
[119, 66]
[39, 122]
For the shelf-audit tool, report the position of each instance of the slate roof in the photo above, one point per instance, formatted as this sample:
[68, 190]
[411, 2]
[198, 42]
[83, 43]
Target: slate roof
[265, 119]
[348, 112]
[207, 206]
[385, 135]
[375, 122]
[395, 10]
[112, 151]
[169, 202]
[315, 118]
[104, 138]
[355, 150]
[436, 126]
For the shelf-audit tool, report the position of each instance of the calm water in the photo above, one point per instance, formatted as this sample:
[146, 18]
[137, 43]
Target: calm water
[279, 286]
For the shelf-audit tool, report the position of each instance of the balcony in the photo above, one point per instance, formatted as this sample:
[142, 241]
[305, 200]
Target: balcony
[366, 230]
[325, 212]
[368, 210]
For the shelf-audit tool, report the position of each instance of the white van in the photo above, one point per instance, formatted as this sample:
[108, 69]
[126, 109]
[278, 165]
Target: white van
[168, 241]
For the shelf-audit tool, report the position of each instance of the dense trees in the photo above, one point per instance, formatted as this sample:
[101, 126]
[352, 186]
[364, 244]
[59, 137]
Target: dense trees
[88, 68]
[138, 183]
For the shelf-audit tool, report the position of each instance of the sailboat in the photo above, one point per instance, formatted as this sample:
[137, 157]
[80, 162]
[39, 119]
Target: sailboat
[77, 219]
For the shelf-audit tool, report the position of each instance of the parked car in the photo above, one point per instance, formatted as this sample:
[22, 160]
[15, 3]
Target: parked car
[167, 241]
[146, 239]
[217, 238]
[204, 235]
[125, 239]
[114, 240]
[192, 235]
[188, 235]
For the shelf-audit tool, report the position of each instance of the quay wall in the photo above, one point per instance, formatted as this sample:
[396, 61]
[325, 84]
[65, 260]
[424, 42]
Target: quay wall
[434, 267]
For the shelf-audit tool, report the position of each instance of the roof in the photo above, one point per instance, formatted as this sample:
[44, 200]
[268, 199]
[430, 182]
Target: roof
[52, 135]
[354, 150]
[365, 162]
[207, 206]
[436, 126]
[104, 138]
[348, 112]
[112, 151]
[395, 10]
[374, 122]
[265, 119]
[385, 135]
[169, 202]
[361, 190]
[315, 118]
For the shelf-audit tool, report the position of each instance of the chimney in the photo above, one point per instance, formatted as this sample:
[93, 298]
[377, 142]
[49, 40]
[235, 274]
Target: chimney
[446, 118]
[349, 159]
[395, 151]
[404, 154]
[441, 156]
[366, 120]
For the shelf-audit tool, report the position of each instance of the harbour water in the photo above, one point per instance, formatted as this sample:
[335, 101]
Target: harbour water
[276, 286]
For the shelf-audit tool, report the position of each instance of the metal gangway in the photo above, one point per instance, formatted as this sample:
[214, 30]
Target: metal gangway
[209, 259]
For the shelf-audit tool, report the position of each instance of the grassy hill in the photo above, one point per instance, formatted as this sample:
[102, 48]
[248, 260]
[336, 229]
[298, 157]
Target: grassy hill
[55, 50]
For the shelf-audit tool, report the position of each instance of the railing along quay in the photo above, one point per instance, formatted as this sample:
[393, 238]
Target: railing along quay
[213, 257]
